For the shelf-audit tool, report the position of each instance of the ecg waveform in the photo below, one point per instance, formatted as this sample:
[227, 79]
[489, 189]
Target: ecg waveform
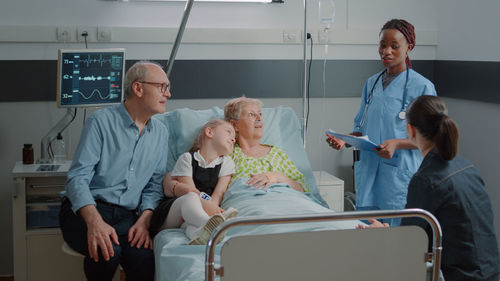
[95, 91]
[94, 78]
[90, 78]
[101, 61]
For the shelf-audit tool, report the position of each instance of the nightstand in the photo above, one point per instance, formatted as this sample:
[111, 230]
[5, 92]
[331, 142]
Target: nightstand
[35, 223]
[331, 189]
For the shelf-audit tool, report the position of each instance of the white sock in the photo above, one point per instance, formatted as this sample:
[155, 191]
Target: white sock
[187, 207]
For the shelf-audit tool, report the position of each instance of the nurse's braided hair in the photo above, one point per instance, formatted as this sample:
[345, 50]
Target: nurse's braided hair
[429, 115]
[404, 27]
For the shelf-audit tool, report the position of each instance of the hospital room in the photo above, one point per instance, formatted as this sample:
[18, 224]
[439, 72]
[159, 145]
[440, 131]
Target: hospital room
[359, 140]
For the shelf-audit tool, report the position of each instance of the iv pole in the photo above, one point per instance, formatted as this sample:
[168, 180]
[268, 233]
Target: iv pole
[173, 53]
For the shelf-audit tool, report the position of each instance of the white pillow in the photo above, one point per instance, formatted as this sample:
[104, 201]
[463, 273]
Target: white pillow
[281, 128]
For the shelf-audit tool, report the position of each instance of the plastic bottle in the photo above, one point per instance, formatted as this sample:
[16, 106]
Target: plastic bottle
[28, 155]
[326, 13]
[59, 150]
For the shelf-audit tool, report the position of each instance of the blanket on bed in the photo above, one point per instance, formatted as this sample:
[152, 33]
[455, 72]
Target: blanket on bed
[175, 260]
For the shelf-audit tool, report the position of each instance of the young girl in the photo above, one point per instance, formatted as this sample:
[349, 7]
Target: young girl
[195, 187]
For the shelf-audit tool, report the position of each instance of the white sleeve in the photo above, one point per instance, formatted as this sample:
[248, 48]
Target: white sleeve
[183, 166]
[228, 167]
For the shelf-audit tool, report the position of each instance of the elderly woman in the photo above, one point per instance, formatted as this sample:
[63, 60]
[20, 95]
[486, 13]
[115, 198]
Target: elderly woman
[263, 164]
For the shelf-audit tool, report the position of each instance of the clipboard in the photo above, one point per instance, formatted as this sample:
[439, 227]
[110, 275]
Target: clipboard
[362, 142]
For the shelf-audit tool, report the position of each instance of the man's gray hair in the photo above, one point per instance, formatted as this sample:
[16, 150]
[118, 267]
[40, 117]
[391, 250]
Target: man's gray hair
[138, 72]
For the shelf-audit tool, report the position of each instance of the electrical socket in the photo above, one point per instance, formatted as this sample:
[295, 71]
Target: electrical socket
[91, 31]
[103, 34]
[64, 33]
[289, 36]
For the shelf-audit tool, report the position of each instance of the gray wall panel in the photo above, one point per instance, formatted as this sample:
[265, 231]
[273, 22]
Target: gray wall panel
[471, 80]
[28, 80]
[209, 79]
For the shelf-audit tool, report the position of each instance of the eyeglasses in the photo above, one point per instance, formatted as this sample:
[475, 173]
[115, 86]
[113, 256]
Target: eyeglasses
[252, 116]
[163, 86]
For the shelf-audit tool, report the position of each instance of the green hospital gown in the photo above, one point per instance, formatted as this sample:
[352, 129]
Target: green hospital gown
[275, 161]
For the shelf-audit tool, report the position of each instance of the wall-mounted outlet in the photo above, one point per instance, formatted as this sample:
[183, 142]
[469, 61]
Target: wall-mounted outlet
[64, 33]
[290, 36]
[90, 31]
[103, 34]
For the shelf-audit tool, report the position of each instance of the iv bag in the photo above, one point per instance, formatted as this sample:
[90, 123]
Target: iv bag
[326, 12]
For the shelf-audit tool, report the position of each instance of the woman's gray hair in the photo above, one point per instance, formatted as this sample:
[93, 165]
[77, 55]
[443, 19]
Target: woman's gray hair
[138, 72]
[233, 108]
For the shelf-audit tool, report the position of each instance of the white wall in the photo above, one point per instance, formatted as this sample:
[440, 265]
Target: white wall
[27, 31]
[468, 30]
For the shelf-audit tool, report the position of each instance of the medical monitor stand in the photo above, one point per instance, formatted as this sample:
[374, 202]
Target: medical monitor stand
[52, 134]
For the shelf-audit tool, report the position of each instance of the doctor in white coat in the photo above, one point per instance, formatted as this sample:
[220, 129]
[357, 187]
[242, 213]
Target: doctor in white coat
[382, 175]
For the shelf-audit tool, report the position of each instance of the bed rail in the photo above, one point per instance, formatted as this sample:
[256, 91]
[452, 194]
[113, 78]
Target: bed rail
[435, 257]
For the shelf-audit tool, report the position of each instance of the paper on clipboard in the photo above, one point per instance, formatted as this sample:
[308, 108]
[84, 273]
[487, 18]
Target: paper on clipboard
[362, 142]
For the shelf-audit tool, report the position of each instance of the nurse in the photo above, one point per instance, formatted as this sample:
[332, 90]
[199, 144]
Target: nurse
[382, 175]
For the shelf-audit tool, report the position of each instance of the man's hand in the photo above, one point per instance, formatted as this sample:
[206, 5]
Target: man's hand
[138, 234]
[99, 234]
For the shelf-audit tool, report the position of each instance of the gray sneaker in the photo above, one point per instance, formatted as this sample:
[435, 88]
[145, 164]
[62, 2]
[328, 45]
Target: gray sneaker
[230, 213]
[202, 236]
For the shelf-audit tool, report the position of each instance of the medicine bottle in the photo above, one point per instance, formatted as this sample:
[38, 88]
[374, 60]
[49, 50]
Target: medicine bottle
[28, 155]
[59, 150]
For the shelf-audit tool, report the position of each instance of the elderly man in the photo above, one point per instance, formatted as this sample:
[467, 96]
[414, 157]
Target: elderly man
[115, 179]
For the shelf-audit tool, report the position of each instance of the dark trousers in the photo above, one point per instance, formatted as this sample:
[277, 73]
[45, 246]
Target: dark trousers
[138, 264]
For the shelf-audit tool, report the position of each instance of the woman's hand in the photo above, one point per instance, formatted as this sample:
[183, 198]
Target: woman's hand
[334, 142]
[337, 143]
[260, 180]
[374, 224]
[387, 148]
[268, 178]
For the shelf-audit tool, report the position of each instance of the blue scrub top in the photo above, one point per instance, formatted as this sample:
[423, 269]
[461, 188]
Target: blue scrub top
[383, 183]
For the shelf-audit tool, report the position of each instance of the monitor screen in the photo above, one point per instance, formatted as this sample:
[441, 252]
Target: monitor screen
[90, 77]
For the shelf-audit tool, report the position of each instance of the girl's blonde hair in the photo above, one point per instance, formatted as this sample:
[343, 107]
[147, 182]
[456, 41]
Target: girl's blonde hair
[198, 140]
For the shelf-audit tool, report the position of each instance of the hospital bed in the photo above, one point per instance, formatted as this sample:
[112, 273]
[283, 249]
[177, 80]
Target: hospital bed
[282, 234]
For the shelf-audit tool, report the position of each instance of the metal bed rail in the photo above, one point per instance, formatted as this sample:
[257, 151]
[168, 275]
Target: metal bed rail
[210, 269]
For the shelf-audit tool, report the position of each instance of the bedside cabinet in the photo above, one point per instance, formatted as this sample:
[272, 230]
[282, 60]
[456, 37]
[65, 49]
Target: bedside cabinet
[331, 189]
[37, 239]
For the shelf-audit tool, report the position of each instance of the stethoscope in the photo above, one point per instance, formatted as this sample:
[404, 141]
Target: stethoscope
[368, 99]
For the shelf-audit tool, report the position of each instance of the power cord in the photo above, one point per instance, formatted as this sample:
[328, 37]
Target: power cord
[85, 34]
[309, 78]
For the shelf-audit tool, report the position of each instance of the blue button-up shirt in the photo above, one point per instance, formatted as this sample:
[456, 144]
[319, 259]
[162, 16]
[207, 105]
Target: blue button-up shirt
[116, 164]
